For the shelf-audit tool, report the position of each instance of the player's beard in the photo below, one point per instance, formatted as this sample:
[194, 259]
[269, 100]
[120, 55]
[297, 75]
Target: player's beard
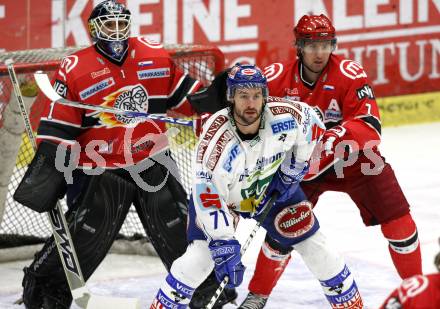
[247, 116]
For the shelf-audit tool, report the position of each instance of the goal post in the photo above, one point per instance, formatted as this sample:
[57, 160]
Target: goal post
[21, 226]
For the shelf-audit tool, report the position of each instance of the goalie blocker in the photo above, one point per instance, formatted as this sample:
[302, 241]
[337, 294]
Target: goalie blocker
[98, 206]
[42, 184]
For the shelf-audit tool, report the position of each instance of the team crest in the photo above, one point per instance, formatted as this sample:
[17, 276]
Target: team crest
[130, 98]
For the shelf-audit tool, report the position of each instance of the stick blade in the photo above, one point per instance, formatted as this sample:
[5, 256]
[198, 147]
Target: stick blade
[45, 86]
[108, 302]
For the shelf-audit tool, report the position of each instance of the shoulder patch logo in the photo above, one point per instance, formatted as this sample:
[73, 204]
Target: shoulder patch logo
[150, 43]
[69, 62]
[365, 92]
[352, 69]
[273, 71]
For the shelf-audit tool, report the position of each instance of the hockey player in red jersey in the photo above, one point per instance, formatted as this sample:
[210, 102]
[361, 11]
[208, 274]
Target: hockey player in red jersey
[340, 90]
[417, 292]
[122, 160]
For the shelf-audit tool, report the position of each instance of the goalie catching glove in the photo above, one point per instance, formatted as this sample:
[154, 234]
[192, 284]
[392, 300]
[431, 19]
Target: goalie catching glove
[227, 259]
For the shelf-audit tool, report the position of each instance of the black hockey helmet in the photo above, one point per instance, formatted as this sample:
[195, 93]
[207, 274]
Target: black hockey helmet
[109, 26]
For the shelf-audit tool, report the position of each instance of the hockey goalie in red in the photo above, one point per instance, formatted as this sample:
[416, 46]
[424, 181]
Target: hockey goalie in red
[350, 160]
[122, 160]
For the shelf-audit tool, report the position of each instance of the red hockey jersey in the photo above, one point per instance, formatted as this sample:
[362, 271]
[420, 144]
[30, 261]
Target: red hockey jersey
[147, 81]
[417, 292]
[342, 94]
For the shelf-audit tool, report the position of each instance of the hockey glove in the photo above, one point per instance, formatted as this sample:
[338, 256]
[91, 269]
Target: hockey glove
[213, 98]
[285, 182]
[331, 138]
[42, 184]
[227, 259]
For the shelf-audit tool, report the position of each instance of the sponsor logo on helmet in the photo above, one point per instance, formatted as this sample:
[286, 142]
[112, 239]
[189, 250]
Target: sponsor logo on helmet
[249, 71]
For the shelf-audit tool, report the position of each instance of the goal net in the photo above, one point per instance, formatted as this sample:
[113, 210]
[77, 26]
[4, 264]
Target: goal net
[21, 226]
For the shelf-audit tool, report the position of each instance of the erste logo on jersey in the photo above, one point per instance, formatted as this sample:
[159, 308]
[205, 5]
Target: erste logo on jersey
[285, 124]
[131, 98]
[352, 69]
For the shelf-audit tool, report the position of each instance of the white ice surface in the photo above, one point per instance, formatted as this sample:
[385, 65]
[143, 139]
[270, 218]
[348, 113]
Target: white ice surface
[413, 153]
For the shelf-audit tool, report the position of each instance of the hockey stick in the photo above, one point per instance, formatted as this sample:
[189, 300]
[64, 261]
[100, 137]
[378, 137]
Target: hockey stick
[45, 86]
[248, 241]
[63, 240]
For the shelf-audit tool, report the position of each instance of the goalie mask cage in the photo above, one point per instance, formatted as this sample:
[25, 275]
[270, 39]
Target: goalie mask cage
[21, 226]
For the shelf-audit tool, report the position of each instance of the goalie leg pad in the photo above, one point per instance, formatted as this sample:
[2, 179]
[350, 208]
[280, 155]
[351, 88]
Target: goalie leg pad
[163, 214]
[42, 184]
[94, 218]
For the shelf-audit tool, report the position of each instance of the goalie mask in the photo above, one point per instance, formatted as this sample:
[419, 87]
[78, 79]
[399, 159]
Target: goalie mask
[109, 26]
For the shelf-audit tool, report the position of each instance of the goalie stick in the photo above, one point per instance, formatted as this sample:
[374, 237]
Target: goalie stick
[81, 295]
[45, 86]
[248, 241]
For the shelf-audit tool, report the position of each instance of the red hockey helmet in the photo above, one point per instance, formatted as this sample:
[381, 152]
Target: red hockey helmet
[314, 27]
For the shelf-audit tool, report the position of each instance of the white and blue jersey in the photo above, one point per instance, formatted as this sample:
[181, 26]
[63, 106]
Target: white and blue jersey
[230, 175]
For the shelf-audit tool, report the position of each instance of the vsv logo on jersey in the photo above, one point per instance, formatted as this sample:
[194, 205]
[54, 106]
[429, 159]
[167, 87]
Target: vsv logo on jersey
[95, 88]
[207, 196]
[153, 73]
[233, 153]
[282, 125]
